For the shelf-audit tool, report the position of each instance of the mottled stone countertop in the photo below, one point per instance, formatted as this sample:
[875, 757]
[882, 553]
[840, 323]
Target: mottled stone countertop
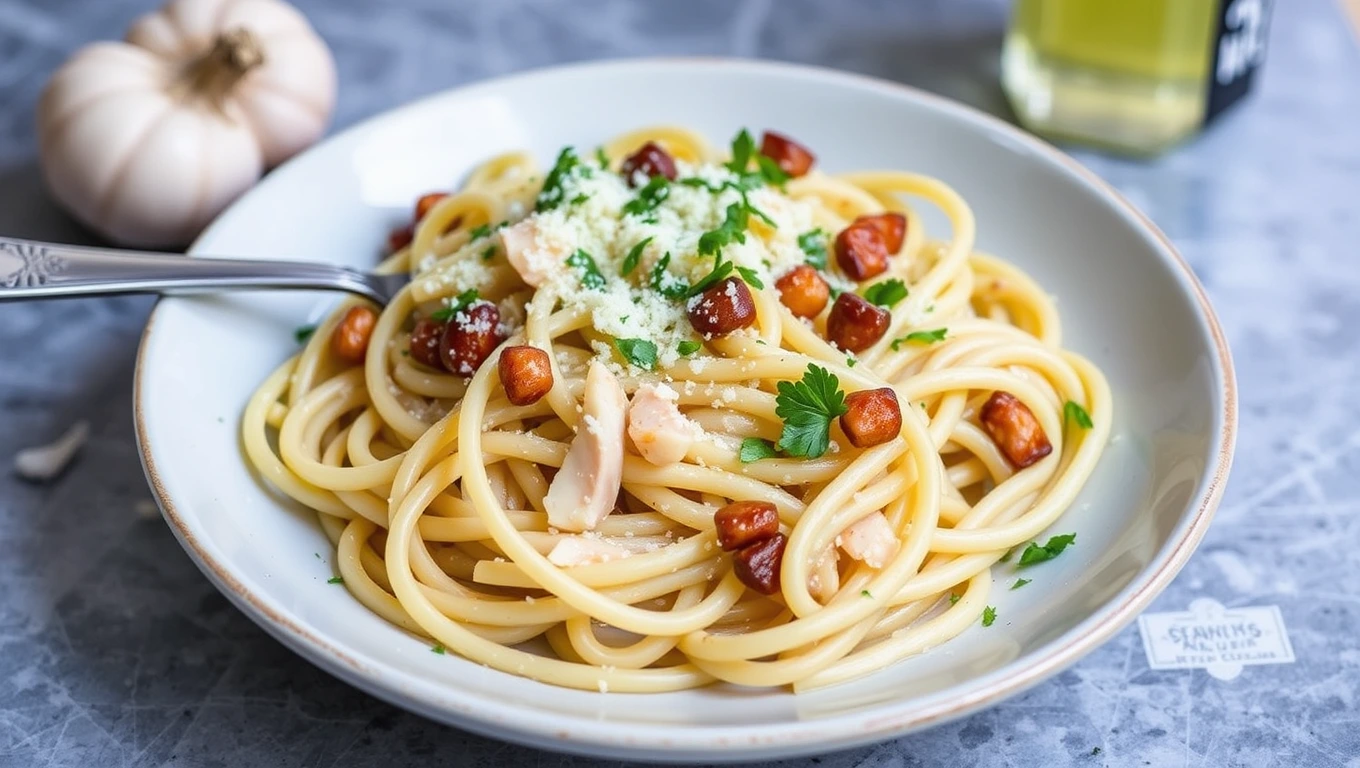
[115, 650]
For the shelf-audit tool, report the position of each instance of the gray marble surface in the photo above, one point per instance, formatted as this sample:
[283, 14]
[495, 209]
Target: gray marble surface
[115, 651]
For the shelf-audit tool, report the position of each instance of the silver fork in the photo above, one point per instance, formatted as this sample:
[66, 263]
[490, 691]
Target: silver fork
[34, 270]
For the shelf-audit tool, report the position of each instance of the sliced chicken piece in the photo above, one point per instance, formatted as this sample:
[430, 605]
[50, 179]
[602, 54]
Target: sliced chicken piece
[870, 540]
[581, 550]
[825, 579]
[662, 434]
[535, 256]
[583, 492]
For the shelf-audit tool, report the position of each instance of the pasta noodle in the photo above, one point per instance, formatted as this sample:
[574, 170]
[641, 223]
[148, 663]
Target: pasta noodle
[436, 489]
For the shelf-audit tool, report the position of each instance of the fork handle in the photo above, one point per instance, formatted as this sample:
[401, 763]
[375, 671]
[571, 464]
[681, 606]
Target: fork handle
[35, 270]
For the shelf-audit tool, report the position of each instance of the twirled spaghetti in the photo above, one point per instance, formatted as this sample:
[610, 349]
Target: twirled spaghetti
[434, 486]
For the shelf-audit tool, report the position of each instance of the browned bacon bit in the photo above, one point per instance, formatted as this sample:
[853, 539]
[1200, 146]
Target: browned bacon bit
[722, 309]
[425, 343]
[349, 341]
[742, 523]
[892, 226]
[803, 291]
[428, 201]
[651, 160]
[791, 157]
[526, 375]
[470, 338]
[854, 324]
[861, 251]
[871, 417]
[1015, 430]
[757, 565]
[400, 238]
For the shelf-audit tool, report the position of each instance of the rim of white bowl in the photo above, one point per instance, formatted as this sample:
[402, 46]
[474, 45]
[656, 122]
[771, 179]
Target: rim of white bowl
[734, 743]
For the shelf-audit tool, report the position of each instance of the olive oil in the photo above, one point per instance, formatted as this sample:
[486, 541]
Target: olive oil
[1132, 75]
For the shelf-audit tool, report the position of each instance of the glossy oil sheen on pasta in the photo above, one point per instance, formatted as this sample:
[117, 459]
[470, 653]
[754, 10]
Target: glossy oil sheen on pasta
[431, 484]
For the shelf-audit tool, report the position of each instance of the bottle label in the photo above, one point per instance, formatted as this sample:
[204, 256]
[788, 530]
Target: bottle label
[1239, 49]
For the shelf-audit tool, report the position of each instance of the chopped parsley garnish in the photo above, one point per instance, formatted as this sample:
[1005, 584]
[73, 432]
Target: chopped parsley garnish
[771, 172]
[920, 337]
[733, 229]
[749, 275]
[1020, 583]
[554, 193]
[634, 256]
[480, 232]
[743, 149]
[687, 348]
[489, 253]
[665, 283]
[649, 197]
[1034, 553]
[336, 580]
[438, 648]
[850, 361]
[303, 333]
[581, 197]
[638, 352]
[887, 293]
[988, 616]
[808, 407]
[1075, 413]
[865, 593]
[814, 246]
[590, 273]
[953, 598]
[459, 304]
[755, 449]
[720, 270]
[601, 157]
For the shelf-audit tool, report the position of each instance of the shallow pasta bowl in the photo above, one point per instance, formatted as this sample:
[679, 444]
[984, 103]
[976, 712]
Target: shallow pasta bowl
[1127, 299]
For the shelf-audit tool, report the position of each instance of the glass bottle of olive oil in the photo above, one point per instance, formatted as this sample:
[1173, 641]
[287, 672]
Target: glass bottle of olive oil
[1131, 75]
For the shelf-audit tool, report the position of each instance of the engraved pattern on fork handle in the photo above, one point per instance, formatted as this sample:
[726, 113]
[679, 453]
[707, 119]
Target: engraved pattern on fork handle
[36, 263]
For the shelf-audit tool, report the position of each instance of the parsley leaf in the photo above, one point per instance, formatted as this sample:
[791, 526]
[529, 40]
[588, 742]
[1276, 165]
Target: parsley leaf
[1020, 583]
[749, 275]
[649, 197]
[720, 270]
[489, 253]
[988, 616]
[920, 337]
[743, 148]
[336, 580]
[665, 283]
[581, 197]
[771, 172]
[459, 304]
[601, 157]
[733, 229]
[630, 261]
[1036, 554]
[553, 193]
[755, 449]
[439, 649]
[886, 294]
[1073, 412]
[807, 408]
[866, 593]
[479, 232]
[638, 352]
[814, 246]
[850, 361]
[687, 348]
[590, 273]
[953, 598]
[303, 333]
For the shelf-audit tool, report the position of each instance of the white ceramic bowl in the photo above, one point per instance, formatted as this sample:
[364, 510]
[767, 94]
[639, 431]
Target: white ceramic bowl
[1128, 301]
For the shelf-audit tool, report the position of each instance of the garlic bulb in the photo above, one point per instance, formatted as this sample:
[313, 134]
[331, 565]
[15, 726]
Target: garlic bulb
[145, 141]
